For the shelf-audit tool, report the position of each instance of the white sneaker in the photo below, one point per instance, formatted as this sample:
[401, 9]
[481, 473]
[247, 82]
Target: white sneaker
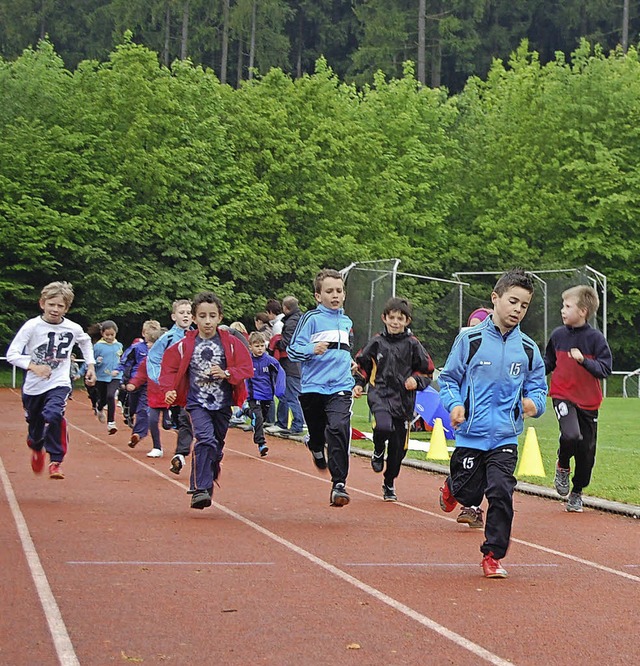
[177, 463]
[112, 427]
[155, 453]
[102, 417]
[274, 429]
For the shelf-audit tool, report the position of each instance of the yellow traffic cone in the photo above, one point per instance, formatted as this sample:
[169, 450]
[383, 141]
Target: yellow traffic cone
[438, 446]
[530, 463]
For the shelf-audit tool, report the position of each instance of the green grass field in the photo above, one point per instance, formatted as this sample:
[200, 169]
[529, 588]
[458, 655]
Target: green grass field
[616, 475]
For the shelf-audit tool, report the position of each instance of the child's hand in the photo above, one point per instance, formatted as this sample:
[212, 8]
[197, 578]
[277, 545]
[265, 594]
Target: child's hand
[131, 387]
[114, 373]
[357, 391]
[217, 372]
[99, 359]
[90, 376]
[170, 397]
[528, 407]
[43, 371]
[457, 416]
[576, 354]
[320, 348]
[410, 384]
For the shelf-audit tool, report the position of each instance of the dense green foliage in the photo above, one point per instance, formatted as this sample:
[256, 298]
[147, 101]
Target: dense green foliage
[140, 183]
[452, 39]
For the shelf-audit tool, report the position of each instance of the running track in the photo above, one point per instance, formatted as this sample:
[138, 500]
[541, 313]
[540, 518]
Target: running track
[110, 566]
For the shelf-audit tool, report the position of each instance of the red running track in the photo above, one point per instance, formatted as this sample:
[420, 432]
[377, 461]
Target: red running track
[110, 566]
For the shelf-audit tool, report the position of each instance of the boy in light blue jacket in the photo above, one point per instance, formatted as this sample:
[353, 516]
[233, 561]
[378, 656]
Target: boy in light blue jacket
[493, 378]
[322, 343]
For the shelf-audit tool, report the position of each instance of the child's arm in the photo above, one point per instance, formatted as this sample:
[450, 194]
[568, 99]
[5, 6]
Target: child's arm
[422, 369]
[600, 364]
[364, 367]
[550, 356]
[534, 389]
[281, 380]
[168, 373]
[301, 348]
[17, 357]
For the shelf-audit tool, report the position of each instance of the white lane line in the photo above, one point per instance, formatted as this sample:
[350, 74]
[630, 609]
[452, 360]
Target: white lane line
[431, 565]
[425, 621]
[168, 563]
[440, 516]
[452, 636]
[61, 640]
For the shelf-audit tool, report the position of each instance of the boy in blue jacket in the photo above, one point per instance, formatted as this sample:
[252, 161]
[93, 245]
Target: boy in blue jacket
[322, 344]
[493, 378]
[268, 380]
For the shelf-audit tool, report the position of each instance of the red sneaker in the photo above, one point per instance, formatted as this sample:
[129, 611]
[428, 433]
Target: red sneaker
[37, 460]
[492, 567]
[447, 501]
[55, 471]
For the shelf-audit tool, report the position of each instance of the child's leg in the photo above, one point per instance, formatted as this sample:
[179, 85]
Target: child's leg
[257, 421]
[396, 450]
[570, 434]
[338, 434]
[56, 437]
[154, 426]
[585, 455]
[32, 405]
[111, 389]
[382, 431]
[101, 395]
[500, 465]
[313, 407]
[141, 425]
[185, 433]
[209, 432]
[467, 478]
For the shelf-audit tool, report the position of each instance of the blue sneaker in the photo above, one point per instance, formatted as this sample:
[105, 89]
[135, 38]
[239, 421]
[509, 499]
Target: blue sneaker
[264, 449]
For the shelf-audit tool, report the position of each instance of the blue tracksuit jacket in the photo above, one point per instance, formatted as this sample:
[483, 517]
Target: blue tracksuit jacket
[492, 383]
[329, 372]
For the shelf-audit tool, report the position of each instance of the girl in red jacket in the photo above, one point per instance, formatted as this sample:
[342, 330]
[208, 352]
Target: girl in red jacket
[205, 372]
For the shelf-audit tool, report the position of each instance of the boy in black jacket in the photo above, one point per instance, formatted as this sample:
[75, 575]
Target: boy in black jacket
[395, 365]
[578, 357]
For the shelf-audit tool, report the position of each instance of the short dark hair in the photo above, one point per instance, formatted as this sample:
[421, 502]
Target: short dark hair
[515, 277]
[263, 317]
[205, 297]
[107, 325]
[323, 275]
[274, 306]
[395, 304]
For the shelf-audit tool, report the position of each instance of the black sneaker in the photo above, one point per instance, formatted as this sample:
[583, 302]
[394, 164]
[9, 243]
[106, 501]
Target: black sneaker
[339, 495]
[377, 462]
[177, 463]
[201, 499]
[389, 493]
[319, 459]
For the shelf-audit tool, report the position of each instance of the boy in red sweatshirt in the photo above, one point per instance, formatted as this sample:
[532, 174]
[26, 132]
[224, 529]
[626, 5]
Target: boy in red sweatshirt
[205, 372]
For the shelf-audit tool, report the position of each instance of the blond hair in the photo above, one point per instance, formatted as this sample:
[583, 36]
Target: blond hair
[238, 326]
[62, 289]
[586, 298]
[256, 336]
[152, 329]
[178, 303]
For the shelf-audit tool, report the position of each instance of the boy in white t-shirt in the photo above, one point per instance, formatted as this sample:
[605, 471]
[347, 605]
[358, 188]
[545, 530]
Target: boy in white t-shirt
[43, 348]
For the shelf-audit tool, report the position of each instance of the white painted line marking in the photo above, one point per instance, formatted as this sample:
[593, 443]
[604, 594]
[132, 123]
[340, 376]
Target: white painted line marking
[459, 640]
[61, 640]
[430, 565]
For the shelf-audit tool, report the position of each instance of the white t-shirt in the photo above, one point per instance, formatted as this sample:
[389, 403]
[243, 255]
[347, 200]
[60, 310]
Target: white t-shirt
[48, 344]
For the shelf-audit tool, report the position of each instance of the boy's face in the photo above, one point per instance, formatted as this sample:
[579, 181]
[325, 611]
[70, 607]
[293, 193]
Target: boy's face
[510, 308]
[182, 316]
[257, 348]
[395, 321]
[207, 319]
[572, 315]
[53, 309]
[109, 335]
[331, 293]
